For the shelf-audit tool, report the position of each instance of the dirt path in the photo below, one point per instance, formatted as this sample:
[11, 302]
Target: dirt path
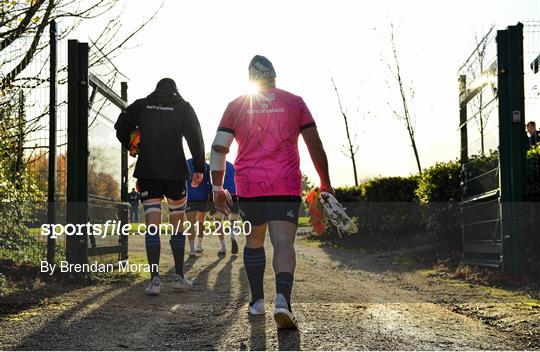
[343, 300]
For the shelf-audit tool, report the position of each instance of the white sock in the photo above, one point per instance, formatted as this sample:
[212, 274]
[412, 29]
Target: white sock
[199, 242]
[223, 244]
[191, 246]
[233, 237]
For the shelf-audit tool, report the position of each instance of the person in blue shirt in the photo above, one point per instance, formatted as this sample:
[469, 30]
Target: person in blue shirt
[197, 206]
[230, 186]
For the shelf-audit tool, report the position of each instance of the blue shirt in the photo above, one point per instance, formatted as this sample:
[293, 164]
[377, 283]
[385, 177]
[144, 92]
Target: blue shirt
[228, 183]
[201, 193]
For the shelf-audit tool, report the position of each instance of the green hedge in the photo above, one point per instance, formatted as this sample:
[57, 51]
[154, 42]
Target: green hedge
[380, 189]
[532, 190]
[440, 183]
[439, 192]
[390, 189]
[384, 207]
[428, 205]
[19, 198]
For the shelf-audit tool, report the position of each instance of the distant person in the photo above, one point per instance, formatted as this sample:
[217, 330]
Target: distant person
[163, 119]
[134, 198]
[267, 125]
[534, 135]
[230, 186]
[198, 202]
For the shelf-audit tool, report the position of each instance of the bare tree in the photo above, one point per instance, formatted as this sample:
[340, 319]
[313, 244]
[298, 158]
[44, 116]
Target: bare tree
[352, 148]
[28, 19]
[24, 48]
[403, 113]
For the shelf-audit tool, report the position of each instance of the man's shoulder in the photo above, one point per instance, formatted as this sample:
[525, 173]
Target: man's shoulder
[238, 100]
[140, 102]
[286, 94]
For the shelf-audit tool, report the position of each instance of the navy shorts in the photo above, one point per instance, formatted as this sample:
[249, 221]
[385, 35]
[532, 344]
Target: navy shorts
[199, 206]
[154, 188]
[234, 208]
[260, 210]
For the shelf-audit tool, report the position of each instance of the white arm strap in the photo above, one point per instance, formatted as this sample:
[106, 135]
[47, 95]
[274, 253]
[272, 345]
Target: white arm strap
[217, 159]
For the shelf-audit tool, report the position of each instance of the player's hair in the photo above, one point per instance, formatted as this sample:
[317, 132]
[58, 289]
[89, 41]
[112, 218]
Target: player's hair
[531, 123]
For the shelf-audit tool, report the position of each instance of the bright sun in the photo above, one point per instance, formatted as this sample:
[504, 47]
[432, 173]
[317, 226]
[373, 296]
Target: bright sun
[253, 88]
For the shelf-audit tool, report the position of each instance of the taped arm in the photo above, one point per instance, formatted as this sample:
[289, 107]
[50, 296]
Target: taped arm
[218, 156]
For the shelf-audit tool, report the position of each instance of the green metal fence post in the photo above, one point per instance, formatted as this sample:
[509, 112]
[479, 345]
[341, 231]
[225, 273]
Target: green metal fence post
[77, 149]
[52, 179]
[123, 241]
[511, 148]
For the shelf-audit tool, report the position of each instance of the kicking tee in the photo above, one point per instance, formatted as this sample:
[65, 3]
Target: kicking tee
[266, 126]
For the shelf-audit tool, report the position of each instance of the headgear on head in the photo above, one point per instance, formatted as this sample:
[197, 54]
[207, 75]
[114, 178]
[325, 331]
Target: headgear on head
[261, 69]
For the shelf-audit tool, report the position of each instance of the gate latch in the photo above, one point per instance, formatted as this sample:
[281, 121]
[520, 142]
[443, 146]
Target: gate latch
[516, 116]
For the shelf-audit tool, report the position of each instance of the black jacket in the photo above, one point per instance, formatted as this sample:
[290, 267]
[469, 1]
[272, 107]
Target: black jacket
[163, 120]
[535, 139]
[134, 198]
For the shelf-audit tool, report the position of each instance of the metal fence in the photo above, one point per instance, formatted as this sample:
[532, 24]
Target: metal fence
[97, 163]
[41, 93]
[531, 53]
[31, 89]
[479, 125]
[498, 89]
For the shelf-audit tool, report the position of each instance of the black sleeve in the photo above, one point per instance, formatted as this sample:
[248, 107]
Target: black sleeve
[194, 138]
[127, 122]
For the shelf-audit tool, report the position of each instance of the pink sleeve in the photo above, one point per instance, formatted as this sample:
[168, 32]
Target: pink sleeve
[306, 119]
[228, 121]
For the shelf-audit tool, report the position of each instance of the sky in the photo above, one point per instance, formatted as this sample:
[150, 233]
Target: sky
[206, 47]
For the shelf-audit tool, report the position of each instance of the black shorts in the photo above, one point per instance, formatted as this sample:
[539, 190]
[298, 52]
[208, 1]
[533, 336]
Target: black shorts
[260, 210]
[233, 208]
[154, 188]
[200, 206]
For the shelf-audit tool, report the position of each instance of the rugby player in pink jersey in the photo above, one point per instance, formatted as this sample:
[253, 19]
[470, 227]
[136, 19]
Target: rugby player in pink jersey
[266, 125]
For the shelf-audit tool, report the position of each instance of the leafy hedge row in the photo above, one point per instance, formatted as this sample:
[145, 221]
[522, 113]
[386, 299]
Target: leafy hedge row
[18, 198]
[424, 205]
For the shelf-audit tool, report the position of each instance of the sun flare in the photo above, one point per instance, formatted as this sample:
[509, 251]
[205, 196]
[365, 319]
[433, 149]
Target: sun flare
[253, 88]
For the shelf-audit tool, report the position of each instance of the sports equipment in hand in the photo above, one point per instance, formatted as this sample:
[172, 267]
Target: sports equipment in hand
[134, 142]
[324, 205]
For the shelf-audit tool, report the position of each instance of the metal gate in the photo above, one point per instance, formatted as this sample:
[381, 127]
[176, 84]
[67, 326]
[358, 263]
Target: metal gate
[492, 125]
[96, 162]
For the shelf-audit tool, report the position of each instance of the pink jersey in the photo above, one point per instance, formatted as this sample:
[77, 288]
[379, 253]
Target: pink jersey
[266, 126]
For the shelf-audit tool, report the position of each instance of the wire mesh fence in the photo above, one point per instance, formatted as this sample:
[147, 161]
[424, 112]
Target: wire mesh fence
[480, 71]
[28, 99]
[481, 163]
[531, 53]
[29, 91]
[481, 214]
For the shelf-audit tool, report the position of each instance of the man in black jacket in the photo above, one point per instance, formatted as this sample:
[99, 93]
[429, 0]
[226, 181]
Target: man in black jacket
[163, 119]
[534, 137]
[134, 198]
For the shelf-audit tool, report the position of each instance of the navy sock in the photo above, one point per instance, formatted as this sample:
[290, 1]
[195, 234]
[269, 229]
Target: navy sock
[153, 249]
[284, 284]
[255, 263]
[178, 243]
